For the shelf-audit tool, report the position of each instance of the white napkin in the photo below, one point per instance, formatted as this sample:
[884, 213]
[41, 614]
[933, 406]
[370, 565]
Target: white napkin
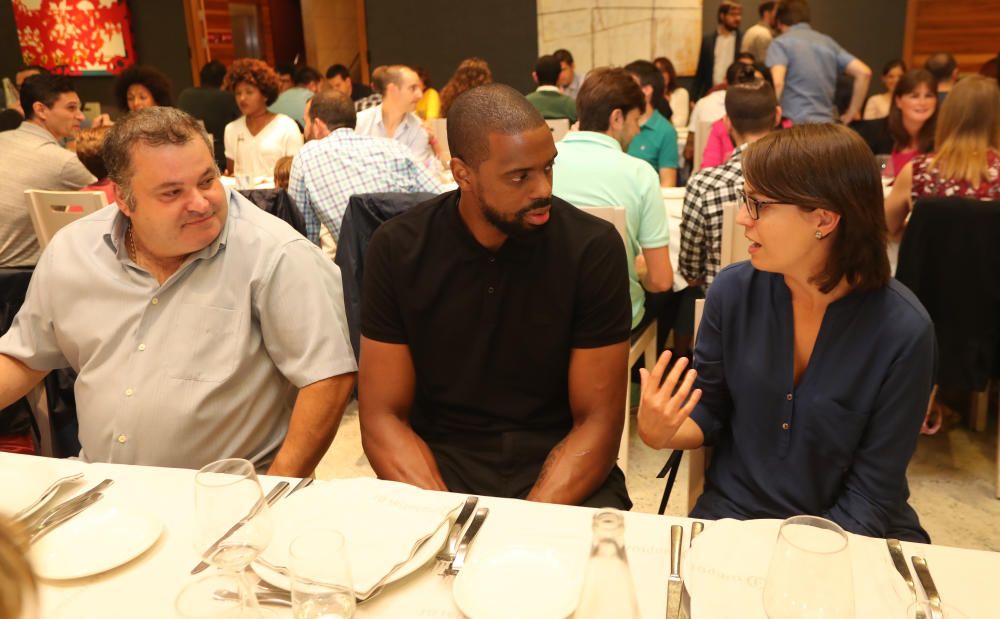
[727, 566]
[383, 522]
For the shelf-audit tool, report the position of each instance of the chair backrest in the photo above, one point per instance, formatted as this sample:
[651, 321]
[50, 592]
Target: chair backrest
[440, 126]
[615, 215]
[51, 210]
[559, 127]
[701, 134]
[699, 309]
[734, 246]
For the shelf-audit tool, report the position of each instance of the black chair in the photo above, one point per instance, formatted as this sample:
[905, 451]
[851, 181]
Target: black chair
[364, 214]
[278, 203]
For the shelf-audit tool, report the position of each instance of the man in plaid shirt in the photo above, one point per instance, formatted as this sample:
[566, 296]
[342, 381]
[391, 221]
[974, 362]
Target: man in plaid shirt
[752, 111]
[338, 163]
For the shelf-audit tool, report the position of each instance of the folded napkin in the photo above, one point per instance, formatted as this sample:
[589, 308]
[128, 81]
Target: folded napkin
[384, 523]
[727, 566]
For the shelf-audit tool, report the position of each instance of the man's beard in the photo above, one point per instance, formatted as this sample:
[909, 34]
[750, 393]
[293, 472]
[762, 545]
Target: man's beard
[515, 226]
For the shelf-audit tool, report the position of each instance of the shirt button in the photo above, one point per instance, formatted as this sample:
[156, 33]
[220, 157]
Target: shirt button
[490, 289]
[129, 392]
[785, 426]
[788, 397]
[142, 347]
[155, 301]
[122, 439]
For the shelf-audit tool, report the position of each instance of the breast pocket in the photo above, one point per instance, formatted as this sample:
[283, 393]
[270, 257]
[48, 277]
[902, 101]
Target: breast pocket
[835, 432]
[203, 343]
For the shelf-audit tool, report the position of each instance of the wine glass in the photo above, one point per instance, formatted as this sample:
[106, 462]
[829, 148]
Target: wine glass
[886, 169]
[227, 492]
[810, 573]
[321, 576]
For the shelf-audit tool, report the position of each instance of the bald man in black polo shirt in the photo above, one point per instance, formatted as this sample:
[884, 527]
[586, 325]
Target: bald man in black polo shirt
[495, 326]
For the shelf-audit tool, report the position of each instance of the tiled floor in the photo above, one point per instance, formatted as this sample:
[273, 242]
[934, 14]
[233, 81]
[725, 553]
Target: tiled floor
[952, 481]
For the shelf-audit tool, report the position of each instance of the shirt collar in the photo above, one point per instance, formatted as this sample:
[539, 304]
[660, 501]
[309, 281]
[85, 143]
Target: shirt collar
[548, 88]
[800, 26]
[593, 137]
[406, 122]
[41, 132]
[654, 121]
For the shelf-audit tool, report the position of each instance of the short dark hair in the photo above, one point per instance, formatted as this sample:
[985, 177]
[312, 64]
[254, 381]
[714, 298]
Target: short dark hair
[746, 56]
[605, 90]
[476, 113]
[563, 55]
[44, 88]
[648, 75]
[764, 7]
[255, 73]
[156, 82]
[791, 12]
[284, 68]
[89, 143]
[338, 70]
[850, 186]
[212, 74]
[740, 72]
[306, 75]
[547, 69]
[728, 5]
[942, 66]
[153, 126]
[334, 108]
[908, 83]
[750, 107]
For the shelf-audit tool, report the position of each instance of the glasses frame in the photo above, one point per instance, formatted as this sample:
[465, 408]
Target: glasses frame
[754, 211]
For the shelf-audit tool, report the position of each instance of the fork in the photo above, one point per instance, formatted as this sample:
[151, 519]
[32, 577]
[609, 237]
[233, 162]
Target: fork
[447, 553]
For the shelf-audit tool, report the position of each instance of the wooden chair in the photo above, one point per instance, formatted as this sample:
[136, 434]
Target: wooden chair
[440, 126]
[643, 347]
[700, 140]
[734, 246]
[51, 210]
[559, 127]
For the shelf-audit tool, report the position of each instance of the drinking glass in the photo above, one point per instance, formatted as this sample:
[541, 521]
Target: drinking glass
[925, 610]
[321, 576]
[227, 492]
[810, 572]
[886, 169]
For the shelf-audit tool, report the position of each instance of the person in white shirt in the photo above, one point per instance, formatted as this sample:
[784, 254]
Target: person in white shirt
[677, 95]
[396, 118]
[258, 139]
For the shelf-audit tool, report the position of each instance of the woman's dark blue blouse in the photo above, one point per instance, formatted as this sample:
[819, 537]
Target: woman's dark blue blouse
[837, 444]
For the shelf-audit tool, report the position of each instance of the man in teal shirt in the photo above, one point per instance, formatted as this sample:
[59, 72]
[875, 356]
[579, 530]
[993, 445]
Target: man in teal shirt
[656, 143]
[292, 102]
[547, 99]
[592, 169]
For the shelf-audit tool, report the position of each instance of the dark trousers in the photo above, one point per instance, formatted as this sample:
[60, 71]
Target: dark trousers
[507, 464]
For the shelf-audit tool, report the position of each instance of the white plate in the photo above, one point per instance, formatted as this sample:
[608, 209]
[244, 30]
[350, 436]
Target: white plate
[381, 521]
[521, 580]
[22, 485]
[109, 533]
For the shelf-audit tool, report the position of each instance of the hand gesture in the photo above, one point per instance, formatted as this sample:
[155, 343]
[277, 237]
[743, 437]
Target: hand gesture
[664, 407]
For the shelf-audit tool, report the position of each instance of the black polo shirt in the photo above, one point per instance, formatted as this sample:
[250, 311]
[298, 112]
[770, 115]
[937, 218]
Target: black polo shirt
[490, 333]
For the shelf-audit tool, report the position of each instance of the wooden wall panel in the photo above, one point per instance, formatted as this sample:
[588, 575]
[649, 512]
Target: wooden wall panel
[969, 29]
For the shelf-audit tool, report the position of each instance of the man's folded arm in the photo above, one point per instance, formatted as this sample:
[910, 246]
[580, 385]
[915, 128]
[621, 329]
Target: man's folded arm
[387, 381]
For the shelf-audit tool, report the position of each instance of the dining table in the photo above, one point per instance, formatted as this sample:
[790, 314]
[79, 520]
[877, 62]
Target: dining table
[147, 585]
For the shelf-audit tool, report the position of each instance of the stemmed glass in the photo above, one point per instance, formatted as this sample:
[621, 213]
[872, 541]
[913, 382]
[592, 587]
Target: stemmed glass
[227, 492]
[810, 573]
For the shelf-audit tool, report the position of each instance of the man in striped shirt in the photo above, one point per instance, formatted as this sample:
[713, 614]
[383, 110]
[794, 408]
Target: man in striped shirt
[338, 163]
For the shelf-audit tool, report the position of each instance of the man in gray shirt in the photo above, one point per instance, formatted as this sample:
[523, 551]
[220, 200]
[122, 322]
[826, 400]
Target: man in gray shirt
[32, 158]
[201, 327]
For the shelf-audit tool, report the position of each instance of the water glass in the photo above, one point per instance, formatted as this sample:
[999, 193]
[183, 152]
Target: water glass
[321, 576]
[925, 610]
[810, 573]
[886, 169]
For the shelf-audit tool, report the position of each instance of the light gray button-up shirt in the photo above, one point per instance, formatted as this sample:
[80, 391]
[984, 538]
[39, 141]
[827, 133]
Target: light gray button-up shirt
[409, 132]
[203, 367]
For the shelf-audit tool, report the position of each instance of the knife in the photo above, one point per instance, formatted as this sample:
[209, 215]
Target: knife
[271, 497]
[924, 574]
[899, 561]
[60, 516]
[463, 547]
[685, 612]
[674, 583]
[305, 482]
[448, 552]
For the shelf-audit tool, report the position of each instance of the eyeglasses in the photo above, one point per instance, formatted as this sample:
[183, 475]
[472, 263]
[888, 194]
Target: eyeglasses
[753, 206]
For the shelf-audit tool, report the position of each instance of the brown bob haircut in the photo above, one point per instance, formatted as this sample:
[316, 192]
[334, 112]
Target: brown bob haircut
[604, 91]
[828, 167]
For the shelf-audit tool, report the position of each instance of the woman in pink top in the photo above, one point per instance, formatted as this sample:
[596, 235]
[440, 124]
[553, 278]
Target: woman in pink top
[967, 161]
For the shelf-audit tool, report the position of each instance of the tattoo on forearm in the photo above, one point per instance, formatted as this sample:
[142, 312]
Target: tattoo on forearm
[550, 462]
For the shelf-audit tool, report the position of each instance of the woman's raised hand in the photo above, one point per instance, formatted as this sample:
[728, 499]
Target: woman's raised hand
[663, 405]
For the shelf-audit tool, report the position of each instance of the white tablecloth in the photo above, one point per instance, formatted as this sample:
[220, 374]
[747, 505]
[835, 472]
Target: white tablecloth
[147, 586]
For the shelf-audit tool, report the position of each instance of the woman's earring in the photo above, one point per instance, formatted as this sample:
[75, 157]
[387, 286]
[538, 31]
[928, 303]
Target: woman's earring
[819, 235]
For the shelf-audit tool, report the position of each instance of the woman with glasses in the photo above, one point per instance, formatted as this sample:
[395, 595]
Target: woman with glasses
[812, 368]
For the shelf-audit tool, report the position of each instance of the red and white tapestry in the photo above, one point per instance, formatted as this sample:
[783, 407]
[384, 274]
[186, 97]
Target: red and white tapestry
[75, 37]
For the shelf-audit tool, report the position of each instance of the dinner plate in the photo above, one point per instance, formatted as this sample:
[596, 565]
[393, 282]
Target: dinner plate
[107, 534]
[381, 521]
[521, 580]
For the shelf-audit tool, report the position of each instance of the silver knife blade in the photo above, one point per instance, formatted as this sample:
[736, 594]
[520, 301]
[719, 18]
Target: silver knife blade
[272, 496]
[674, 583]
[62, 516]
[899, 561]
[463, 547]
[448, 552]
[305, 482]
[924, 574]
